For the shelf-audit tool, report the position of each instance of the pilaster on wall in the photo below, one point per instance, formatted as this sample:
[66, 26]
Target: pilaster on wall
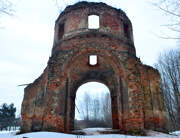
[154, 109]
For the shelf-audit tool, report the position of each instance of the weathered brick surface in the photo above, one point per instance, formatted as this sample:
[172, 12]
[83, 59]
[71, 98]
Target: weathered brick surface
[136, 97]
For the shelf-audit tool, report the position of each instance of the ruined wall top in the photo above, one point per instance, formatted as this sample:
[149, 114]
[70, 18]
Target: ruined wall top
[92, 5]
[74, 21]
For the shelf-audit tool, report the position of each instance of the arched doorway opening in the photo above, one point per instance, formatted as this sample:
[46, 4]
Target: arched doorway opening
[93, 106]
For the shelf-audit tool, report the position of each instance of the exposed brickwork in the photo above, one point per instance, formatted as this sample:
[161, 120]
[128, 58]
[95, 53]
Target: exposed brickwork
[136, 97]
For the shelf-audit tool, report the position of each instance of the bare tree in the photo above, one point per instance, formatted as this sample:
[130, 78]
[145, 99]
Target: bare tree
[61, 4]
[107, 110]
[87, 106]
[6, 7]
[169, 68]
[95, 111]
[172, 9]
[83, 106]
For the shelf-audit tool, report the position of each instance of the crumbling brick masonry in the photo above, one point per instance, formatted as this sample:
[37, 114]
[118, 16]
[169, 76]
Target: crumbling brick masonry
[137, 102]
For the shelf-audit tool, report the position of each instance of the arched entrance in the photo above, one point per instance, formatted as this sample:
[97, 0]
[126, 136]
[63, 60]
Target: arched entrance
[106, 71]
[93, 106]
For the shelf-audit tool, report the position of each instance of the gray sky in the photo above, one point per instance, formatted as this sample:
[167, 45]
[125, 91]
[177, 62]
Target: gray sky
[26, 40]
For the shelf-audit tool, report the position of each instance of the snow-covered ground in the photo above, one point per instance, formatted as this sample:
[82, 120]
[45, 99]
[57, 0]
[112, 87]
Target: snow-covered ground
[91, 133]
[176, 133]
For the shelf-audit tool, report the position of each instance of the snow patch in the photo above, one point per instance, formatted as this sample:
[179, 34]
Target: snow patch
[94, 133]
[176, 133]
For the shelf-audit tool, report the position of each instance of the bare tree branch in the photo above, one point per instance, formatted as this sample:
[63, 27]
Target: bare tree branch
[169, 12]
[172, 9]
[6, 7]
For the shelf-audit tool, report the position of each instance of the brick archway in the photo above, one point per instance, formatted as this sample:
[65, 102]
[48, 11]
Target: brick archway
[115, 121]
[106, 72]
[136, 96]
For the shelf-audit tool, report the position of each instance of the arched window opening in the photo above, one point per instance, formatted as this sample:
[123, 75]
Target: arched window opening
[60, 31]
[93, 60]
[93, 22]
[93, 106]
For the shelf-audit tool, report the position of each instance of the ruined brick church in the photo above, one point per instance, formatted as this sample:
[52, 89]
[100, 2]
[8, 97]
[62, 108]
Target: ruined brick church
[136, 97]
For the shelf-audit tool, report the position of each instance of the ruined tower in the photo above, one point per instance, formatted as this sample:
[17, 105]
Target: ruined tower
[136, 97]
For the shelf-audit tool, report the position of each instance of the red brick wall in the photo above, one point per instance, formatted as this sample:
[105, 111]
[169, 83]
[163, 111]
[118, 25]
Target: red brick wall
[135, 88]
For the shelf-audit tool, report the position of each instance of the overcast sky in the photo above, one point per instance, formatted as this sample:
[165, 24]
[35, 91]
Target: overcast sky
[26, 40]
